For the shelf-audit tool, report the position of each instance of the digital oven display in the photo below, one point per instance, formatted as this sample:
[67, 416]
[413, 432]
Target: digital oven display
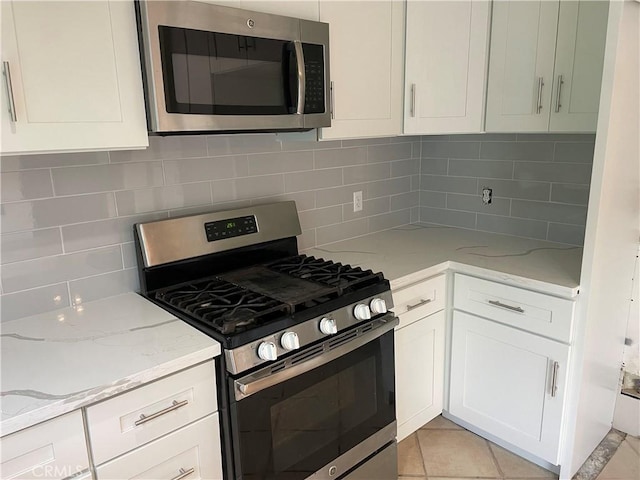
[231, 227]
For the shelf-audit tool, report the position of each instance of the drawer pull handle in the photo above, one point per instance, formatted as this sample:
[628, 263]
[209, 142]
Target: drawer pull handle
[419, 304]
[554, 379]
[174, 406]
[184, 473]
[496, 303]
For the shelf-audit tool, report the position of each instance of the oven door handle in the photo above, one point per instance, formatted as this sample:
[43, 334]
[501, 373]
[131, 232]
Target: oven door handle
[263, 379]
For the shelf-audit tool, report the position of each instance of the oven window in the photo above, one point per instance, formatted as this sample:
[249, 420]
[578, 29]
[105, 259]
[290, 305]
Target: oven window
[217, 73]
[293, 429]
[321, 413]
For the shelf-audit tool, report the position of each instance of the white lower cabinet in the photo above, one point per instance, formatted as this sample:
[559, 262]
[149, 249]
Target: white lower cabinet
[54, 449]
[167, 429]
[419, 353]
[193, 452]
[134, 418]
[419, 356]
[509, 383]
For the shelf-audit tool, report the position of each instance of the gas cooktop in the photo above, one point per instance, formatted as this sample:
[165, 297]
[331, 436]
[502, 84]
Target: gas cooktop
[238, 277]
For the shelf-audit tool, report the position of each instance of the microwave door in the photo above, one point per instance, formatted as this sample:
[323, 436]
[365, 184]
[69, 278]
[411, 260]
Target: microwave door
[224, 81]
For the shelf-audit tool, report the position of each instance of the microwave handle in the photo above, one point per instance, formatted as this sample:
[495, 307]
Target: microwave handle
[297, 45]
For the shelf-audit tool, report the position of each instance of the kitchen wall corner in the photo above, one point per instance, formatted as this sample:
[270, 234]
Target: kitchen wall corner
[540, 183]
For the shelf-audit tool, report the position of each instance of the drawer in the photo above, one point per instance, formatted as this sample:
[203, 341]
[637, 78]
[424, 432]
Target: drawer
[419, 300]
[189, 453]
[134, 418]
[53, 449]
[531, 311]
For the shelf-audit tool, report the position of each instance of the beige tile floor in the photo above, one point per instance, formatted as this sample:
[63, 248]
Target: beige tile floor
[441, 450]
[625, 463]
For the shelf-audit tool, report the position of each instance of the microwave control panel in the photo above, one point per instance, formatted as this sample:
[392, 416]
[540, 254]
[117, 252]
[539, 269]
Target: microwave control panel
[314, 74]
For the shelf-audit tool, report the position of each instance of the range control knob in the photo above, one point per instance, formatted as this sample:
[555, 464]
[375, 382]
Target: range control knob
[267, 351]
[362, 312]
[378, 306]
[328, 326]
[290, 341]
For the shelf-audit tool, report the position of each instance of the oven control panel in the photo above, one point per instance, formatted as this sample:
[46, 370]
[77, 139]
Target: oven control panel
[298, 336]
[231, 227]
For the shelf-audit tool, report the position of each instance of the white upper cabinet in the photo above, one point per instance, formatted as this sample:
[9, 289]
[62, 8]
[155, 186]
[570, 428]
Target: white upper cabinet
[582, 31]
[545, 65]
[366, 56]
[445, 66]
[71, 77]
[523, 41]
[307, 9]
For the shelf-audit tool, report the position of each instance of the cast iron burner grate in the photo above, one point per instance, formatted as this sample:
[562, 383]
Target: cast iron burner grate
[343, 277]
[226, 307]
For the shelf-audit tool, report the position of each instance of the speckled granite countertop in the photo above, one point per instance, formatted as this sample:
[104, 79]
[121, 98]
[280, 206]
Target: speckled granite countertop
[413, 252]
[56, 362]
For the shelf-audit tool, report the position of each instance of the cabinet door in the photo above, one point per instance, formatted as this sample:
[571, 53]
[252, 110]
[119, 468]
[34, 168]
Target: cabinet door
[419, 361]
[582, 31]
[508, 383]
[523, 40]
[75, 77]
[54, 449]
[446, 62]
[366, 57]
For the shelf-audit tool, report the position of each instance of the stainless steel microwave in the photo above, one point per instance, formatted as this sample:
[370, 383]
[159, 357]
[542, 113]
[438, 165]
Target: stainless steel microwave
[209, 68]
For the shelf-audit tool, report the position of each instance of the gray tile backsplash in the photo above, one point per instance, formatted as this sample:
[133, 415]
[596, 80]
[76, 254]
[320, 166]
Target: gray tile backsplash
[67, 219]
[540, 183]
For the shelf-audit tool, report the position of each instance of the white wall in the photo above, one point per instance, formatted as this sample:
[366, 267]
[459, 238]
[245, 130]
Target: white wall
[611, 238]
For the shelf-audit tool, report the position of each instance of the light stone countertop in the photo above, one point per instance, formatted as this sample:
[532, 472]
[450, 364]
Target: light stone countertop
[59, 361]
[413, 252]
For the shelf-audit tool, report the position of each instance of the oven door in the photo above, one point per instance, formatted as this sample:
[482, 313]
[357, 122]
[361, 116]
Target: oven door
[321, 416]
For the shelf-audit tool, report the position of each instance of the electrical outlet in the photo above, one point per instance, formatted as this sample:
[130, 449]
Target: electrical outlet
[357, 201]
[487, 195]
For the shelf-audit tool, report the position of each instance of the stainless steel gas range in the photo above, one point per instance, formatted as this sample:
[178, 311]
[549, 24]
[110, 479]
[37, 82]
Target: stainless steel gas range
[306, 381]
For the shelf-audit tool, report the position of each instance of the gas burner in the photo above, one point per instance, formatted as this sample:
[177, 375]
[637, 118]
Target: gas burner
[342, 277]
[226, 307]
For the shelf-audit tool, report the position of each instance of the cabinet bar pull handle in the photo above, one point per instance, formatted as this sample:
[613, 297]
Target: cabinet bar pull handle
[174, 406]
[496, 303]
[540, 85]
[558, 93]
[333, 104]
[419, 304]
[184, 473]
[413, 99]
[554, 379]
[6, 72]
